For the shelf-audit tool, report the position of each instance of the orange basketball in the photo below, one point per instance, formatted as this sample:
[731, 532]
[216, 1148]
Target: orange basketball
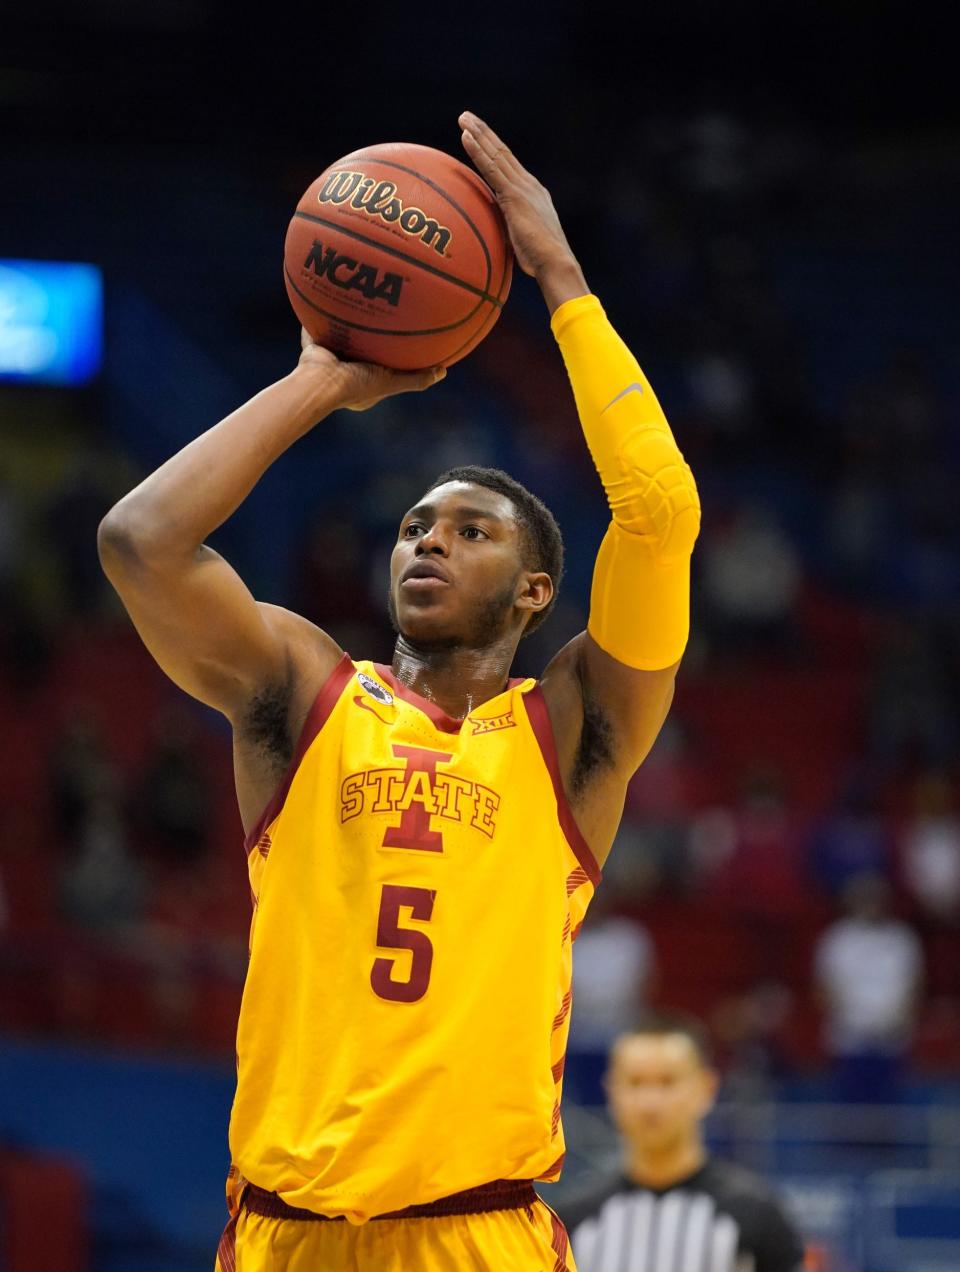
[398, 254]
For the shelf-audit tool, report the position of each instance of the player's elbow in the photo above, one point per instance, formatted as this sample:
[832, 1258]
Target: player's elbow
[123, 540]
[684, 521]
[659, 502]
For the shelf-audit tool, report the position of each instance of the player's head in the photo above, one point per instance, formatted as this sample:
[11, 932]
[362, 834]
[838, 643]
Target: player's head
[660, 1081]
[477, 559]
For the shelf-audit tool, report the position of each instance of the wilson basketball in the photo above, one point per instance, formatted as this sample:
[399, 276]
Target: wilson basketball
[398, 254]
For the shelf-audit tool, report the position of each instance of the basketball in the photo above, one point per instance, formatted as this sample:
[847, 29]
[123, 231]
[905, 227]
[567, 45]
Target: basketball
[398, 254]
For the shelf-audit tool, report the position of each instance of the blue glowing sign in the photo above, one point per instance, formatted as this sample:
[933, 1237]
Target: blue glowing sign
[51, 321]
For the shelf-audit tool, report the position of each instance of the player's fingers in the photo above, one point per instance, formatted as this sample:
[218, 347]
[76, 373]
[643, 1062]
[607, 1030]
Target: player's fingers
[399, 382]
[496, 152]
[489, 145]
[415, 381]
[492, 169]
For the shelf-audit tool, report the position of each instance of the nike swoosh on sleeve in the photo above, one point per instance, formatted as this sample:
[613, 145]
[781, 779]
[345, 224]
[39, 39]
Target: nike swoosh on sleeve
[629, 389]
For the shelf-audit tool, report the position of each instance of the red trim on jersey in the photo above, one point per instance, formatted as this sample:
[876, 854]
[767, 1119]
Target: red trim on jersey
[440, 719]
[543, 730]
[317, 717]
[562, 1014]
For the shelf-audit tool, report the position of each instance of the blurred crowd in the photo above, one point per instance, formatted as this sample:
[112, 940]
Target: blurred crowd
[789, 860]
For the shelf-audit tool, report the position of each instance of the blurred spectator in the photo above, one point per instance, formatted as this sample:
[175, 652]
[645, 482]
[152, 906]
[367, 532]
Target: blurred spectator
[11, 534]
[869, 970]
[103, 887]
[332, 580]
[81, 775]
[613, 971]
[751, 583]
[930, 848]
[721, 392]
[750, 855]
[750, 1030]
[853, 840]
[857, 533]
[171, 804]
[912, 707]
[661, 798]
[24, 643]
[72, 519]
[894, 417]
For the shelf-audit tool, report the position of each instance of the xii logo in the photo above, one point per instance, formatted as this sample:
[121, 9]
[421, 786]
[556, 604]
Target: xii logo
[489, 724]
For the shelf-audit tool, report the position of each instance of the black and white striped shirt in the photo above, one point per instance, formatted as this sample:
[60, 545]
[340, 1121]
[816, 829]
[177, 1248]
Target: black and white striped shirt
[720, 1219]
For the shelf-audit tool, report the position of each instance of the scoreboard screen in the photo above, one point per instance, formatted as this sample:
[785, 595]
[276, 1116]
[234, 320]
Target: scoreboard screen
[51, 322]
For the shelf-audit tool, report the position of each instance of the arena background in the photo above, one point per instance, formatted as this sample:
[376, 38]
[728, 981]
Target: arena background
[766, 200]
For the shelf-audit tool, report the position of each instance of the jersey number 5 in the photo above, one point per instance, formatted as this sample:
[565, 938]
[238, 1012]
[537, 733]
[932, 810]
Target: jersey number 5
[391, 936]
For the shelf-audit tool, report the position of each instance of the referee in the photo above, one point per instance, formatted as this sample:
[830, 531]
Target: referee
[673, 1208]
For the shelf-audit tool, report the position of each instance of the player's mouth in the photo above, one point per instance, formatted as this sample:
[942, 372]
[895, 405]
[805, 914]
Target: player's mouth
[424, 576]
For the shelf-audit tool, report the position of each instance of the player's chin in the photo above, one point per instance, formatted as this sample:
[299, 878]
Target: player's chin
[427, 621]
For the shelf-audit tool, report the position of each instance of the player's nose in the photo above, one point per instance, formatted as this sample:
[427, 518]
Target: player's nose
[434, 540]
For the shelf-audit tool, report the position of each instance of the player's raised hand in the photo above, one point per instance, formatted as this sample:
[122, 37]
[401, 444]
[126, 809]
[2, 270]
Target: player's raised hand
[361, 385]
[535, 231]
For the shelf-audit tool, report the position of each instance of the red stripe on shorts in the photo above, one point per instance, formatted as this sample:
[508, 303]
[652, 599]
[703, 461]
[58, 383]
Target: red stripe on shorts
[560, 1245]
[227, 1249]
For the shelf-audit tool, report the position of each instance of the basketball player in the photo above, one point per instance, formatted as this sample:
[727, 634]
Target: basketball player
[672, 1205]
[424, 838]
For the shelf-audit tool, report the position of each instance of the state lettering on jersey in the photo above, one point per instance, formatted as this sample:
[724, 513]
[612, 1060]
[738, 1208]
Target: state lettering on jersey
[419, 792]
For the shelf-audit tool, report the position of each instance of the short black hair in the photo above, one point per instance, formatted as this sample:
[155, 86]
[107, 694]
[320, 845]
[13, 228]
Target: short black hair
[540, 535]
[661, 1023]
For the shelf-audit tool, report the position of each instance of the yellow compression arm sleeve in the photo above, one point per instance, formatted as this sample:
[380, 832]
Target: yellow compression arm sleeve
[640, 601]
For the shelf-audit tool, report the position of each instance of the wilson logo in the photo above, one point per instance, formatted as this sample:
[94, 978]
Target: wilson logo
[351, 275]
[379, 198]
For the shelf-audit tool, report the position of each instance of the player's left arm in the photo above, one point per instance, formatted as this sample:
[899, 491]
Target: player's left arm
[639, 620]
[610, 689]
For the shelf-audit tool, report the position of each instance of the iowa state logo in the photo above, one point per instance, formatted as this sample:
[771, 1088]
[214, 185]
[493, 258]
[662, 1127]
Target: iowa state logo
[416, 791]
[379, 198]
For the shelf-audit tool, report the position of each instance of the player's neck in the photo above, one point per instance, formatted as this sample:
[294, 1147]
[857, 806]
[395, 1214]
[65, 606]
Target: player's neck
[457, 680]
[662, 1168]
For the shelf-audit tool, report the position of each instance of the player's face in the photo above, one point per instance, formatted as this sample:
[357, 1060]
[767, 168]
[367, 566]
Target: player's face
[658, 1089]
[456, 571]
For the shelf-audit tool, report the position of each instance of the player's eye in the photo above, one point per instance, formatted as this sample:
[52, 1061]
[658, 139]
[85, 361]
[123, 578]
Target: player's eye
[412, 529]
[474, 532]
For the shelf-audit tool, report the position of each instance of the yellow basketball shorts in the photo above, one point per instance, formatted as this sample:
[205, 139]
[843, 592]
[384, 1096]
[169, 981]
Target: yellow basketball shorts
[526, 1239]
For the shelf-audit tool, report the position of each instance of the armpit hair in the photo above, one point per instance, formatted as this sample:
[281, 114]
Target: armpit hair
[266, 722]
[595, 749]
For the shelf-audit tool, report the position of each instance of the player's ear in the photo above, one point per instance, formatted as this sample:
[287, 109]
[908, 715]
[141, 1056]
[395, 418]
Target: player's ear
[536, 591]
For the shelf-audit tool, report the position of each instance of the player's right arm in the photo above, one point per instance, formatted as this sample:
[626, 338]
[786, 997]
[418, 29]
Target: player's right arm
[191, 608]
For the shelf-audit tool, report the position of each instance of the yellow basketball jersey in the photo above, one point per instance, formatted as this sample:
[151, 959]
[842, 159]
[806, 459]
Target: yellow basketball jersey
[418, 882]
